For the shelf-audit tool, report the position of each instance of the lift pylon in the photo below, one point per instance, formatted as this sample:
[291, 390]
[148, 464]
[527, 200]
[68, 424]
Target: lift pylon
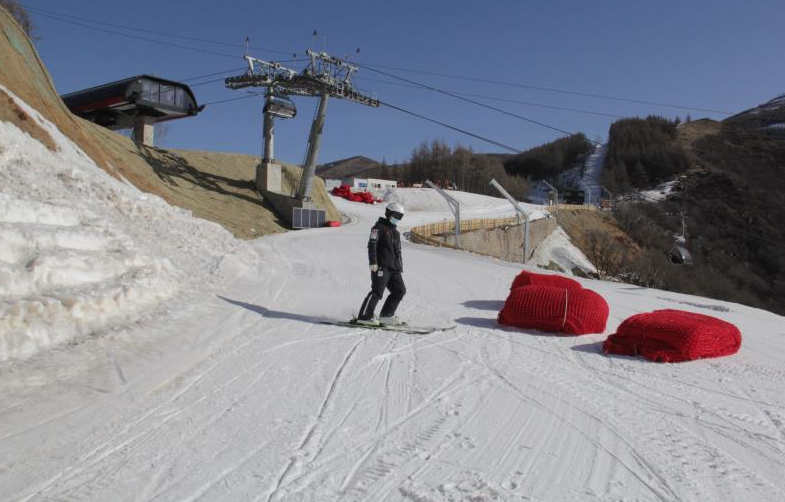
[325, 76]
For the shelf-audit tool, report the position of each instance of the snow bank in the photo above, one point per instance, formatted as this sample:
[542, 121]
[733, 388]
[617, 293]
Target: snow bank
[432, 207]
[557, 248]
[83, 252]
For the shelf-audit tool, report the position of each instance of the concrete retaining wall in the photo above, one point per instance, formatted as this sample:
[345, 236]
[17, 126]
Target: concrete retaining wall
[505, 242]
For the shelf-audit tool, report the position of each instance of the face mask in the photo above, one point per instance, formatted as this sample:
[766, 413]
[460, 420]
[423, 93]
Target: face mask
[394, 221]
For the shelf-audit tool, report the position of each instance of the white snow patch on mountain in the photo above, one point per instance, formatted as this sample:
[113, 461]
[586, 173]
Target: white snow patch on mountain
[660, 192]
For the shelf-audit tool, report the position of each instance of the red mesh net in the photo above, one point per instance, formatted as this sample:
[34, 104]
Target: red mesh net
[555, 309]
[526, 278]
[345, 191]
[674, 336]
[587, 312]
[535, 307]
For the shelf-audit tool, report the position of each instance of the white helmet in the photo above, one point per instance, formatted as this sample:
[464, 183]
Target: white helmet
[394, 210]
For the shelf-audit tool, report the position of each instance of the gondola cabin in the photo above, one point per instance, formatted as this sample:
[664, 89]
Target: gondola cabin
[680, 255]
[281, 107]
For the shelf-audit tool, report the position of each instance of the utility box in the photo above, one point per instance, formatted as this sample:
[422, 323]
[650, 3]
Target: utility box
[308, 218]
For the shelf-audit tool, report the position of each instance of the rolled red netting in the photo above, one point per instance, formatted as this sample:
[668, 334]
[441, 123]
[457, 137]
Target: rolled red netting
[674, 336]
[535, 307]
[526, 278]
[587, 312]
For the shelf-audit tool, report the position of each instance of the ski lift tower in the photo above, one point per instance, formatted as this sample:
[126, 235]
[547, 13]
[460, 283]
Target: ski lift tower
[325, 76]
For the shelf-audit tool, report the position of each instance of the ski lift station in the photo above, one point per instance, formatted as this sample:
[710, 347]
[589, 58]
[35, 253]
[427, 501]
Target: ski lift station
[134, 103]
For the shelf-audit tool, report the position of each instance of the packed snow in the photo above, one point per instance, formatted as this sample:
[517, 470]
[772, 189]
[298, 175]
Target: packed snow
[211, 376]
[557, 248]
[83, 252]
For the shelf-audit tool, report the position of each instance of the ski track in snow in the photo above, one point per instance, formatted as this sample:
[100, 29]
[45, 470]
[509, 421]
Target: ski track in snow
[238, 393]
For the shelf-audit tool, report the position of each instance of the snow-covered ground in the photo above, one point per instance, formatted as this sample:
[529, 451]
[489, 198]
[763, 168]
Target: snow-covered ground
[426, 205]
[82, 252]
[231, 389]
[660, 192]
[590, 182]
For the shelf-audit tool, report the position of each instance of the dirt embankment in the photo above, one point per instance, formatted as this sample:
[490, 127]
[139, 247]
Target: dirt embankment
[582, 226]
[215, 186]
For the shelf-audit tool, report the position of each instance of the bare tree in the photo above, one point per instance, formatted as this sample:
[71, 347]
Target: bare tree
[604, 252]
[20, 14]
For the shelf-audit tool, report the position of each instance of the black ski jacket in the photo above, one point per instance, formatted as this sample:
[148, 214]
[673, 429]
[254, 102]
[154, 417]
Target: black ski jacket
[384, 246]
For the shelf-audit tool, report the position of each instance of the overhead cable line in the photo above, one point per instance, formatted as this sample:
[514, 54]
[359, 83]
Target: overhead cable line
[552, 89]
[400, 109]
[444, 124]
[230, 71]
[137, 37]
[507, 100]
[233, 99]
[211, 81]
[63, 15]
[81, 21]
[462, 98]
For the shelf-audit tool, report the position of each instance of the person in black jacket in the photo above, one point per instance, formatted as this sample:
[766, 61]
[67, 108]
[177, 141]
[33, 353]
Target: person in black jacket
[384, 258]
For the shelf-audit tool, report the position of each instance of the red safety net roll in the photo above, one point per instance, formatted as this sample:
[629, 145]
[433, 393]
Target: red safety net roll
[555, 309]
[535, 307]
[674, 336]
[587, 312]
[526, 278]
[345, 191]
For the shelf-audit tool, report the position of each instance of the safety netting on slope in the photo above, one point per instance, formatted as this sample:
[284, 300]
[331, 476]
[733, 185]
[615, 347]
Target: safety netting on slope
[345, 191]
[555, 309]
[526, 278]
[674, 336]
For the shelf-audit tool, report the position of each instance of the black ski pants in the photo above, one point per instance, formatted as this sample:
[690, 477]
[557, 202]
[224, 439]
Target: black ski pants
[381, 279]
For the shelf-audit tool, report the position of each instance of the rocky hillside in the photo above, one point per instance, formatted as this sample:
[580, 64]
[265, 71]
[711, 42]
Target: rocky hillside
[732, 196]
[768, 116]
[214, 186]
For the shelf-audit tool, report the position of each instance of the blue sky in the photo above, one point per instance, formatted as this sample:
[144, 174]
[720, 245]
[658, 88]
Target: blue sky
[717, 55]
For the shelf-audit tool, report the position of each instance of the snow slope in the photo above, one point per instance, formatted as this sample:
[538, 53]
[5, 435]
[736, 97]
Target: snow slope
[237, 392]
[590, 183]
[81, 251]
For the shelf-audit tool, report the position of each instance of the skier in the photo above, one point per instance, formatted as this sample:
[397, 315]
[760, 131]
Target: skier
[384, 258]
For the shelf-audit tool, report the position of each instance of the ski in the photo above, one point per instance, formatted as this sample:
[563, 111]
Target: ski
[400, 328]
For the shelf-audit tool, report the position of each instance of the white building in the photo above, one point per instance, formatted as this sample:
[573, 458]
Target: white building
[374, 185]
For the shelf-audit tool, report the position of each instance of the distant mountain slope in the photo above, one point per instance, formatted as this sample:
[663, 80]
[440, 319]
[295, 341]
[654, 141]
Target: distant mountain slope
[731, 196]
[353, 166]
[771, 113]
